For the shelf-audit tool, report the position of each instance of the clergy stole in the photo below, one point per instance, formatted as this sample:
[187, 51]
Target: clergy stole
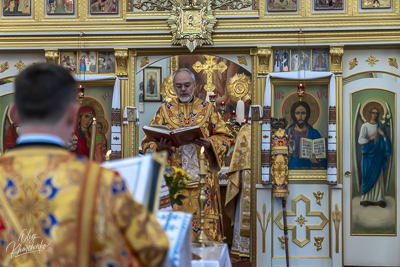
[239, 176]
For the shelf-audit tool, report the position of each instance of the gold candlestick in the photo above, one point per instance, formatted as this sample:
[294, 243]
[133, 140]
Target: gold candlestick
[201, 236]
[93, 139]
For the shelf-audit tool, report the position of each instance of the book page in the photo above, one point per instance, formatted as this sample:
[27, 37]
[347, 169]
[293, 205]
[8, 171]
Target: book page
[305, 148]
[185, 129]
[142, 176]
[158, 128]
[319, 148]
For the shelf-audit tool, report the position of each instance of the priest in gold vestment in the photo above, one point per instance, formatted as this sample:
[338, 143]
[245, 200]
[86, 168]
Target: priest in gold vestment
[187, 111]
[237, 201]
[59, 209]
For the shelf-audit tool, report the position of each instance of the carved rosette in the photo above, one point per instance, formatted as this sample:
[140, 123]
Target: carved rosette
[121, 57]
[52, 55]
[264, 56]
[191, 25]
[336, 54]
[238, 87]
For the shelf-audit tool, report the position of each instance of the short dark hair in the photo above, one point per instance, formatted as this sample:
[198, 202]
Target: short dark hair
[293, 109]
[43, 92]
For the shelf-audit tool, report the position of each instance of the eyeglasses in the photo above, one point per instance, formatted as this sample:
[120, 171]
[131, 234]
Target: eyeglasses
[186, 85]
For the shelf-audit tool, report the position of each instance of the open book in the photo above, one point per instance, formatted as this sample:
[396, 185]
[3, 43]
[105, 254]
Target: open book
[178, 137]
[316, 146]
[143, 176]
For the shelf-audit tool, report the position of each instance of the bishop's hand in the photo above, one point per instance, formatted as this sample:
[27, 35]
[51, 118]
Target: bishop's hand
[163, 144]
[202, 141]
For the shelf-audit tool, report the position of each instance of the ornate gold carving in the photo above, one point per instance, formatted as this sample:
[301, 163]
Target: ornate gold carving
[191, 25]
[52, 55]
[121, 57]
[336, 54]
[301, 220]
[263, 225]
[238, 87]
[309, 227]
[152, 5]
[20, 65]
[318, 196]
[264, 56]
[163, 5]
[167, 89]
[336, 218]
[209, 67]
[4, 67]
[318, 242]
[230, 4]
[242, 60]
[372, 60]
[144, 61]
[174, 63]
[393, 62]
[353, 63]
[282, 240]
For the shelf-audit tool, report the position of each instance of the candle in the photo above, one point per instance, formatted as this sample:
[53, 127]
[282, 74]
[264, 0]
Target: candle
[202, 157]
[93, 139]
[233, 113]
[222, 103]
[108, 155]
[243, 122]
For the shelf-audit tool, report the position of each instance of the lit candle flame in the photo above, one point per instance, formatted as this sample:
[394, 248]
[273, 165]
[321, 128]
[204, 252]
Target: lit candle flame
[202, 150]
[94, 119]
[108, 152]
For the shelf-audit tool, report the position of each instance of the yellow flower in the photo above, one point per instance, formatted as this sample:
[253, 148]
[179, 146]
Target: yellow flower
[175, 169]
[185, 182]
[189, 177]
[183, 173]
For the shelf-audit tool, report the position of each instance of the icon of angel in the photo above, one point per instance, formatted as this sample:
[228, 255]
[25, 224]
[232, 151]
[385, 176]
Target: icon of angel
[372, 151]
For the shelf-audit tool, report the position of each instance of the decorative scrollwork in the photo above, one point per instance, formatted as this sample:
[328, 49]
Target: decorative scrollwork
[230, 4]
[153, 5]
[4, 67]
[318, 242]
[167, 89]
[164, 5]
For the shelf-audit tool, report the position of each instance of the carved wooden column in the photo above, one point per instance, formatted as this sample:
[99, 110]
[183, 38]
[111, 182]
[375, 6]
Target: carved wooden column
[336, 159]
[121, 60]
[52, 55]
[336, 67]
[261, 67]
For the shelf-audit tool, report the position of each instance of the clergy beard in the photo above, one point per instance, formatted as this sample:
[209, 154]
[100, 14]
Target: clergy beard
[185, 99]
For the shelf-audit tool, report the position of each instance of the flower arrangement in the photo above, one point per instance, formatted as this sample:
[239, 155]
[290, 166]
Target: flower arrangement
[176, 179]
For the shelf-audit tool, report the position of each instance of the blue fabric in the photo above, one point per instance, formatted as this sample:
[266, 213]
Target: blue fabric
[296, 163]
[374, 159]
